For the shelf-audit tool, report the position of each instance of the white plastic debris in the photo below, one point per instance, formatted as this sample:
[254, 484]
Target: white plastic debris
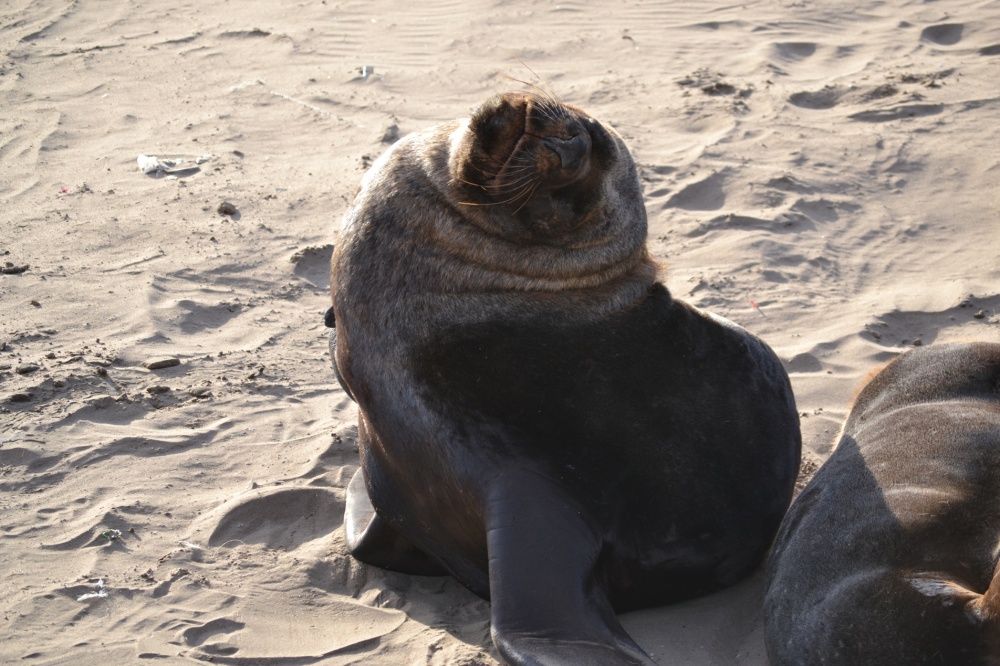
[101, 593]
[151, 165]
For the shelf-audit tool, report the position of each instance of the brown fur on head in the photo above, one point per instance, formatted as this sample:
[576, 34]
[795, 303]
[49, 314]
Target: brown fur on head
[532, 168]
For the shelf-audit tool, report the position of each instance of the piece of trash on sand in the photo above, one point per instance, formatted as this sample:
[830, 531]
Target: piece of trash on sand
[101, 593]
[189, 545]
[366, 72]
[111, 535]
[153, 166]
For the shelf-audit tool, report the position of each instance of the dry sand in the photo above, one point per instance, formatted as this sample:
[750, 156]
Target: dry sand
[836, 166]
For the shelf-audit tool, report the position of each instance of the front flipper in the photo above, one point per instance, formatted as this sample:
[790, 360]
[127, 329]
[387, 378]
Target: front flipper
[547, 609]
[373, 541]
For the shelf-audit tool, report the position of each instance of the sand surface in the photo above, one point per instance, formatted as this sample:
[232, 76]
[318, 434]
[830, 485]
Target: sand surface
[823, 173]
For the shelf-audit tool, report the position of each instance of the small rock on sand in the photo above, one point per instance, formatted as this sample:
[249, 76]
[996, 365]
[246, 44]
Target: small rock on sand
[27, 368]
[101, 402]
[160, 363]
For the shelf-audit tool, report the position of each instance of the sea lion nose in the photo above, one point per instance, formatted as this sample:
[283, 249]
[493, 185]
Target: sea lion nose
[572, 152]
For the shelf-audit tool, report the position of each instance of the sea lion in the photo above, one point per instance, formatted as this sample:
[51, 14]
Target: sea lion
[889, 555]
[537, 415]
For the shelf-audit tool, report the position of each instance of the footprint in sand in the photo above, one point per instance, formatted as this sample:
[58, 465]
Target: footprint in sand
[197, 636]
[898, 113]
[313, 264]
[826, 98]
[901, 328]
[273, 629]
[705, 194]
[791, 51]
[284, 519]
[945, 34]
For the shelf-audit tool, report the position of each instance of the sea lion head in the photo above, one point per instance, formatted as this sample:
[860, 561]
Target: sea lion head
[535, 170]
[527, 206]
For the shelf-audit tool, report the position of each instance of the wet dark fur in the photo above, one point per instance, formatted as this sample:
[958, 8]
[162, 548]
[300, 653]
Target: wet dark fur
[889, 556]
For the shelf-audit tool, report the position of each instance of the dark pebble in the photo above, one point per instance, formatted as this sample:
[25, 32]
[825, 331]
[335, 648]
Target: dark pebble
[226, 208]
[201, 392]
[981, 314]
[161, 363]
[20, 397]
[155, 390]
[26, 368]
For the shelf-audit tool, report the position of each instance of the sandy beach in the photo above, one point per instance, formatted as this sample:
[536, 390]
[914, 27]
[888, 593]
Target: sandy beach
[824, 174]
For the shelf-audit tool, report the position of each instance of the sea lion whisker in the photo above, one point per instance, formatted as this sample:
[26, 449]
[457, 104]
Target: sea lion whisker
[553, 107]
[500, 203]
[548, 93]
[516, 183]
[519, 173]
[545, 92]
[527, 198]
[469, 182]
[514, 190]
[515, 169]
[482, 171]
[550, 112]
[517, 196]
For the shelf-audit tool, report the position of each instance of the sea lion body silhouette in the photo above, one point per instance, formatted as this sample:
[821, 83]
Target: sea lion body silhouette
[537, 415]
[889, 555]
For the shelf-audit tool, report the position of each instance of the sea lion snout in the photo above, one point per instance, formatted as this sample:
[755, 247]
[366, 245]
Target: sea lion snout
[573, 153]
[530, 167]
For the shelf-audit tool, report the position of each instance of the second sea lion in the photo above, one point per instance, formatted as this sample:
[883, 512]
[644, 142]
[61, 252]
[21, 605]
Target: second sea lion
[890, 554]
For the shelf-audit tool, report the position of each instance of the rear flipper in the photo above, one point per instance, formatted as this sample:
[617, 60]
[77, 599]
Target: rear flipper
[547, 609]
[373, 541]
